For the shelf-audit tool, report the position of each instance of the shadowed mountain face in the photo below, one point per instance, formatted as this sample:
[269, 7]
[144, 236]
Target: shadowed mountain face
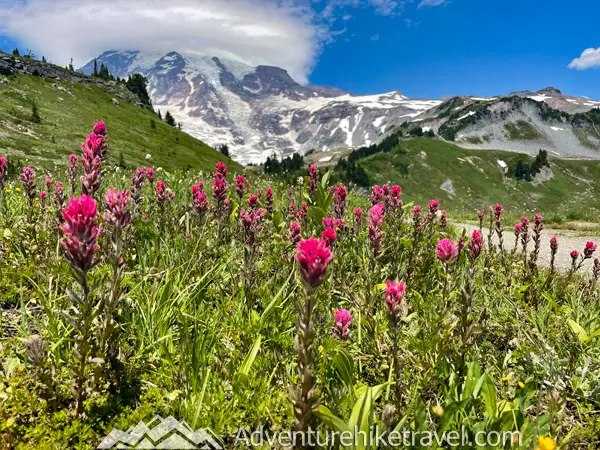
[258, 111]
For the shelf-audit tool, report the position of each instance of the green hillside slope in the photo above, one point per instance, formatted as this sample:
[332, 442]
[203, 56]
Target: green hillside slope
[423, 167]
[67, 111]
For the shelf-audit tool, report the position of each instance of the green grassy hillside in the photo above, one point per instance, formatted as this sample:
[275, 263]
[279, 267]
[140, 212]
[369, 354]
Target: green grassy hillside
[422, 166]
[67, 112]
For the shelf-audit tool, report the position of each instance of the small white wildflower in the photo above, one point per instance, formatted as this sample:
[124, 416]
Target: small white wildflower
[148, 156]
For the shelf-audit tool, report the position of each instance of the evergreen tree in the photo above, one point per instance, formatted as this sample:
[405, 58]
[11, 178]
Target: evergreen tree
[71, 68]
[152, 124]
[224, 149]
[159, 115]
[35, 115]
[103, 72]
[15, 52]
[44, 59]
[95, 74]
[169, 119]
[138, 84]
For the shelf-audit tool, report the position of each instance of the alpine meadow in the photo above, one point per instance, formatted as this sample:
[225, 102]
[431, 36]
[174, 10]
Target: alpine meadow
[200, 252]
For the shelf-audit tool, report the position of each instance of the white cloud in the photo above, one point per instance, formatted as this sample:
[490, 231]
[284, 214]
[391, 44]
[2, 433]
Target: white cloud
[432, 3]
[286, 33]
[252, 31]
[386, 7]
[589, 58]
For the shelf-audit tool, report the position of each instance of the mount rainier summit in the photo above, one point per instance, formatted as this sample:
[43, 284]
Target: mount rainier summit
[258, 111]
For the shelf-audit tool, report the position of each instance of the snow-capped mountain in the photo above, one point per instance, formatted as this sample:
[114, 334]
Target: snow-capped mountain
[258, 111]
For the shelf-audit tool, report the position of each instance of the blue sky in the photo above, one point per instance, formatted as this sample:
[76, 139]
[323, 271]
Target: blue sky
[424, 48]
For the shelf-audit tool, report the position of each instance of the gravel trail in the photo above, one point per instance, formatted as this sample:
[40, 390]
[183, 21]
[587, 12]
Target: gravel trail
[567, 241]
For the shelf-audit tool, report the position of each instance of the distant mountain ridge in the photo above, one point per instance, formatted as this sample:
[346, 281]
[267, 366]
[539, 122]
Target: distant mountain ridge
[524, 122]
[258, 111]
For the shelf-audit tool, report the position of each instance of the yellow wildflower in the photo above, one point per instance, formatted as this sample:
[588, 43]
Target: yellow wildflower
[438, 410]
[545, 443]
[17, 189]
[8, 191]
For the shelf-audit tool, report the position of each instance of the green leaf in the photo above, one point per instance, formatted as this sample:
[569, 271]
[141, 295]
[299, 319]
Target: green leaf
[488, 392]
[420, 416]
[363, 410]
[578, 330]
[241, 378]
[473, 375]
[273, 305]
[344, 365]
[332, 421]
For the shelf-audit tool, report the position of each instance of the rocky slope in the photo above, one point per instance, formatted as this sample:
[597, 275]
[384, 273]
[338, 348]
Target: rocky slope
[258, 111]
[523, 122]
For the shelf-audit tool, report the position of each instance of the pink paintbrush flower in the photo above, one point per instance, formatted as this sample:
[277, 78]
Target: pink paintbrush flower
[221, 170]
[295, 232]
[313, 180]
[589, 249]
[117, 213]
[313, 256]
[329, 236]
[339, 201]
[446, 251]
[342, 319]
[252, 201]
[377, 194]
[150, 174]
[394, 295]
[99, 128]
[475, 245]
[358, 217]
[81, 232]
[269, 200]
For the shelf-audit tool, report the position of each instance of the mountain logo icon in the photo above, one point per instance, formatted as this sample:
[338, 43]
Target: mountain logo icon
[162, 433]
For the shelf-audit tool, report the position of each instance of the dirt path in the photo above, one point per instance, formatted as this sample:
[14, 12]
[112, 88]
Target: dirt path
[567, 241]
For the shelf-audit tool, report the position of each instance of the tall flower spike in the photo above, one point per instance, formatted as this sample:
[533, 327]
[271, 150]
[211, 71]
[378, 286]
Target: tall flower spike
[475, 245]
[358, 217]
[221, 170]
[313, 256]
[27, 177]
[269, 200]
[3, 166]
[240, 186]
[339, 201]
[313, 180]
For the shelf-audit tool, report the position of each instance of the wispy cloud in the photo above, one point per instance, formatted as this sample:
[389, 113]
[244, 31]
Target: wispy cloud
[387, 7]
[590, 57]
[432, 3]
[375, 37]
[251, 31]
